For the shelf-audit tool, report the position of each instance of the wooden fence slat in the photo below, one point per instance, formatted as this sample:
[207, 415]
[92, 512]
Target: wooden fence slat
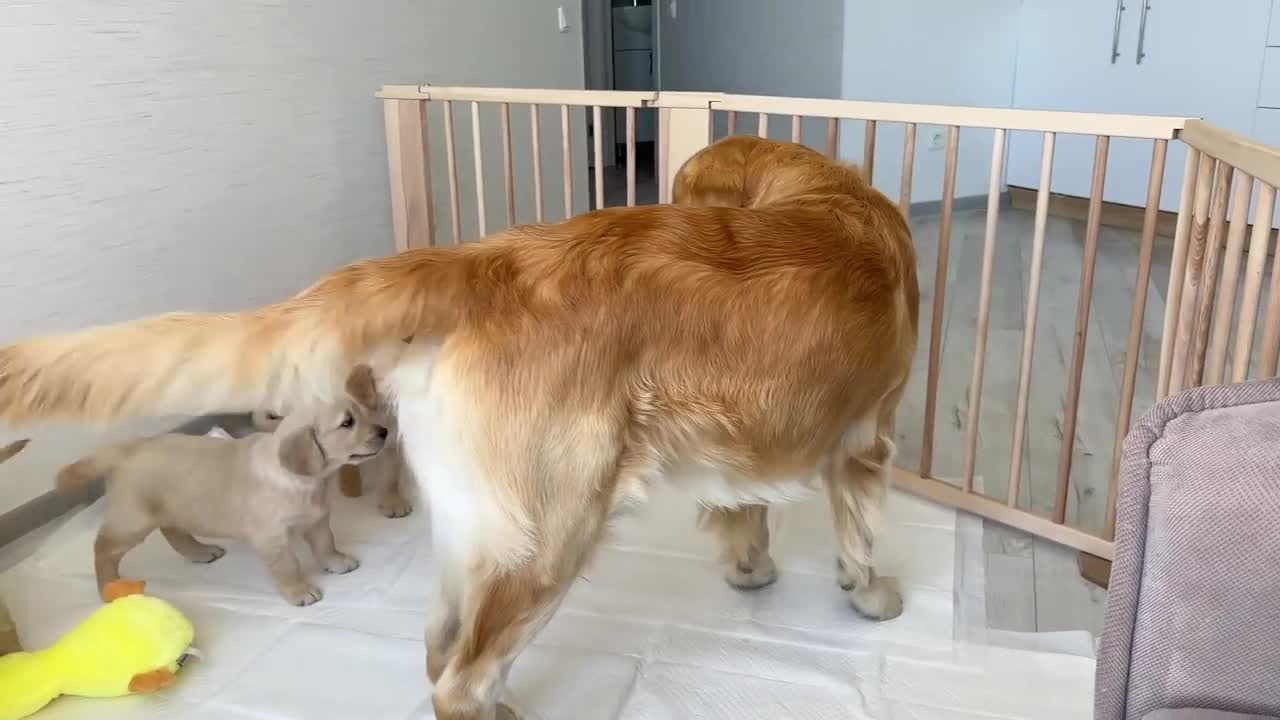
[1146, 246]
[984, 309]
[536, 145]
[1029, 322]
[476, 143]
[508, 176]
[1209, 273]
[939, 301]
[1178, 268]
[1255, 265]
[1093, 225]
[1199, 233]
[451, 161]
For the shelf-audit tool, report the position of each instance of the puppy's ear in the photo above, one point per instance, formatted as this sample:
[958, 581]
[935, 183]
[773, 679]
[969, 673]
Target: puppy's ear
[264, 420]
[12, 449]
[301, 454]
[362, 388]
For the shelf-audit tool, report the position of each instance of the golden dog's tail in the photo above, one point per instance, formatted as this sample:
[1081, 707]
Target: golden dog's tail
[196, 363]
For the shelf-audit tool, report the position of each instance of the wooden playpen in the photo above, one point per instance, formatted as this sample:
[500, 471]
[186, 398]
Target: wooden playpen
[1215, 326]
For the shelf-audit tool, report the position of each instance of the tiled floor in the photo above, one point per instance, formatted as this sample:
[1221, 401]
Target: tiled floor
[650, 631]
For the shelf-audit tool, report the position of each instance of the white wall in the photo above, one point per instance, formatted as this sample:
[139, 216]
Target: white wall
[503, 43]
[752, 46]
[758, 47]
[928, 51]
[168, 154]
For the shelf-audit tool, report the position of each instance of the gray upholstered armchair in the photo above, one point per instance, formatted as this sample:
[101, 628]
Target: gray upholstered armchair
[1193, 616]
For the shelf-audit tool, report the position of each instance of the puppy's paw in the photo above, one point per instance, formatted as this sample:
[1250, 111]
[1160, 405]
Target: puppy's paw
[504, 712]
[340, 564]
[302, 594]
[879, 599]
[207, 554]
[394, 506]
[751, 575]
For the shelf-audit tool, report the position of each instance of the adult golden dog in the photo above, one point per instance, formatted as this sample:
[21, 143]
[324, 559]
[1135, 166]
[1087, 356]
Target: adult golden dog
[556, 372]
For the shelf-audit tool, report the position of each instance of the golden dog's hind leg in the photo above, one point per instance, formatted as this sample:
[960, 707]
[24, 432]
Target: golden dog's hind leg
[743, 534]
[857, 484]
[502, 607]
[443, 625]
[503, 613]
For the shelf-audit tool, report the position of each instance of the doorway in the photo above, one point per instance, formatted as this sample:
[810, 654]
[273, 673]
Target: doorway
[620, 52]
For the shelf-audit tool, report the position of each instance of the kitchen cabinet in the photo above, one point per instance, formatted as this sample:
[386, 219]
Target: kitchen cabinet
[1186, 57]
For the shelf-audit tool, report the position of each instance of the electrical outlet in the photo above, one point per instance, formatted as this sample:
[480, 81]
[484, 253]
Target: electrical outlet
[937, 140]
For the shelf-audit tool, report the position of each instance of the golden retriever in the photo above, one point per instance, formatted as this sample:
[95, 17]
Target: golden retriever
[557, 371]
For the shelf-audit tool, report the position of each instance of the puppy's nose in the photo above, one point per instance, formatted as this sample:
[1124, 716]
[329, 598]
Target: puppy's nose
[382, 432]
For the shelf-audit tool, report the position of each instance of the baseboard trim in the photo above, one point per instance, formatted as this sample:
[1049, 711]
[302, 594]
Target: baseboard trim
[1094, 569]
[1116, 215]
[960, 204]
[43, 509]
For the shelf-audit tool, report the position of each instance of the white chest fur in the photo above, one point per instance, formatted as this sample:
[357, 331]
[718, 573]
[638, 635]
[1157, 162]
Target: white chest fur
[468, 519]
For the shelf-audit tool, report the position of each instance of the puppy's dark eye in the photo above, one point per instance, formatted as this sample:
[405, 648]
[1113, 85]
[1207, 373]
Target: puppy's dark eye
[273, 416]
[348, 421]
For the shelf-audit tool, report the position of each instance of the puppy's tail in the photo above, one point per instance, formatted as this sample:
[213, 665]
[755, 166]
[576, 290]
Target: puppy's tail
[73, 478]
[294, 351]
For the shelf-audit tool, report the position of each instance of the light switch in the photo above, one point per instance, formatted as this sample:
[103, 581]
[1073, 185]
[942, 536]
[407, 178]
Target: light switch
[562, 20]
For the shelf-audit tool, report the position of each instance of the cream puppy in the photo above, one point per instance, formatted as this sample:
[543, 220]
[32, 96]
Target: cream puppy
[263, 490]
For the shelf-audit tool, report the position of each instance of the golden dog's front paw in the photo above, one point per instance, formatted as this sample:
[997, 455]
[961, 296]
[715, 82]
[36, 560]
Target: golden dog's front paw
[879, 599]
[751, 575]
[302, 595]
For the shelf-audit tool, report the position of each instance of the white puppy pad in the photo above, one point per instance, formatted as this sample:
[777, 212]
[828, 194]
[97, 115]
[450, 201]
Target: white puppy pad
[651, 631]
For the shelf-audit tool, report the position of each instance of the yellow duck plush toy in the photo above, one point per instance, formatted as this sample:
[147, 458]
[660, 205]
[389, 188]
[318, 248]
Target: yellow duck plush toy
[133, 644]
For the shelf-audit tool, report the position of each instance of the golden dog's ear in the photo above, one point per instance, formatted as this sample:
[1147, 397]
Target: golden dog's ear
[12, 449]
[301, 454]
[362, 388]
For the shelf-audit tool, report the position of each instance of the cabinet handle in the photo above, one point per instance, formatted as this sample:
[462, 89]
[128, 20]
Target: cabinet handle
[1115, 32]
[1142, 33]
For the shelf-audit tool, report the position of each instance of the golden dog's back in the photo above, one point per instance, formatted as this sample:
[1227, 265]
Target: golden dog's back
[750, 171]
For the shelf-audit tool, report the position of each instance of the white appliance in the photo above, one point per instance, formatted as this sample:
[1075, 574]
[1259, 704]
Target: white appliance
[633, 59]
